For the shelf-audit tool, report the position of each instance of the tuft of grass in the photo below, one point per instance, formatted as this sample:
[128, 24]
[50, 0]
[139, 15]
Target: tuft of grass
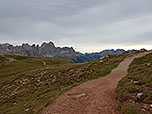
[130, 109]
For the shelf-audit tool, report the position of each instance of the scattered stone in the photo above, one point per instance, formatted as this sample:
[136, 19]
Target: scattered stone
[135, 82]
[139, 95]
[81, 95]
[38, 79]
[108, 55]
[133, 102]
[148, 64]
[146, 106]
[101, 61]
[27, 109]
[51, 76]
[143, 110]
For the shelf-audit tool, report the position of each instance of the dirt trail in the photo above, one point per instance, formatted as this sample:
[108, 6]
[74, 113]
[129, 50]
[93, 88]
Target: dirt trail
[92, 97]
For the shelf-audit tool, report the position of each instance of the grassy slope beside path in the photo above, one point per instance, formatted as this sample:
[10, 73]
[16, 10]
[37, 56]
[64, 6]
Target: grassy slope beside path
[27, 85]
[135, 90]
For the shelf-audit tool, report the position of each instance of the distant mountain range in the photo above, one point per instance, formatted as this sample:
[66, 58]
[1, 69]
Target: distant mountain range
[97, 55]
[49, 50]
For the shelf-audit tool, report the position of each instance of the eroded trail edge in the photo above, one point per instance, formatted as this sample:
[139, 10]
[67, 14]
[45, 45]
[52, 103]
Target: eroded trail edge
[92, 97]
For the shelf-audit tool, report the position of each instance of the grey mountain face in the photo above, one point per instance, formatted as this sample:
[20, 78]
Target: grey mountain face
[45, 50]
[49, 50]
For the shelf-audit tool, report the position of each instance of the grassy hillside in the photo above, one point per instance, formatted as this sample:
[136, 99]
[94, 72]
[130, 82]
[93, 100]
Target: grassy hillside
[135, 90]
[28, 84]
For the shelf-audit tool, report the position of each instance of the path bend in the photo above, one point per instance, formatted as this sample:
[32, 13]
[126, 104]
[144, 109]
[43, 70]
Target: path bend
[94, 96]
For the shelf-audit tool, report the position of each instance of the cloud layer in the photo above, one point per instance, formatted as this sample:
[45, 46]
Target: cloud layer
[87, 25]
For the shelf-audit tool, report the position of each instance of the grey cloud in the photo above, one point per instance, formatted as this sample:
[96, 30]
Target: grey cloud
[85, 24]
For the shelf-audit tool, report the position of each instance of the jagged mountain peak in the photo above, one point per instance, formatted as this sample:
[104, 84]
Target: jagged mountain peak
[50, 44]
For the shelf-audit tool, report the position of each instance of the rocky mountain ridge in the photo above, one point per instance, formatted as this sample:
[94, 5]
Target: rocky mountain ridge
[51, 51]
[45, 50]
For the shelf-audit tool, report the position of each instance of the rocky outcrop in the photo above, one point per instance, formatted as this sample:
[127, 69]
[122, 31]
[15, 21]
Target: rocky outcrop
[45, 50]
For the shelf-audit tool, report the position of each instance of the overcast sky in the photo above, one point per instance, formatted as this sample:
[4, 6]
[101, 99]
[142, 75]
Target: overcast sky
[86, 25]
